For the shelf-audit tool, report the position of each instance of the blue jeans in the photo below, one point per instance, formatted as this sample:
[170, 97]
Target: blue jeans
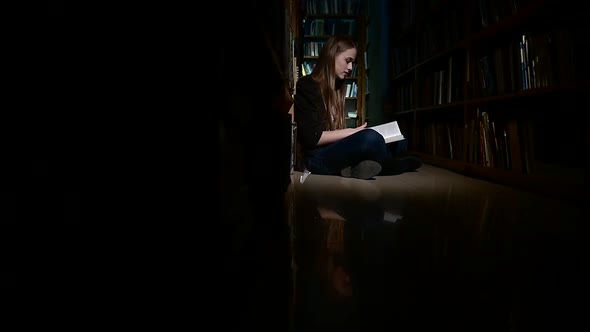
[363, 145]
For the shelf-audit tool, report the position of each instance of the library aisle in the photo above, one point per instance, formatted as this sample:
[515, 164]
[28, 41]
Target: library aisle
[434, 250]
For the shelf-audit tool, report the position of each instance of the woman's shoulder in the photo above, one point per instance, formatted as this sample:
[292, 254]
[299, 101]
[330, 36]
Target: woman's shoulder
[307, 79]
[307, 82]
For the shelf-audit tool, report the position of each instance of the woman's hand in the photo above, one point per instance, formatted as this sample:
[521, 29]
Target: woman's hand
[361, 127]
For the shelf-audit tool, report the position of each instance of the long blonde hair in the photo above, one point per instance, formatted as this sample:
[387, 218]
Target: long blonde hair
[333, 90]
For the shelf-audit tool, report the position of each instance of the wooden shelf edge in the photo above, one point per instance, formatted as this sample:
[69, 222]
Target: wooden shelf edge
[553, 186]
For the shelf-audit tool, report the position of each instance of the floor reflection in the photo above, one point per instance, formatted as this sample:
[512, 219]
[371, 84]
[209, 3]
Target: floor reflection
[464, 256]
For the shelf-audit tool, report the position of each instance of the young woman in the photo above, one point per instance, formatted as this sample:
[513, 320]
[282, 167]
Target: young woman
[328, 147]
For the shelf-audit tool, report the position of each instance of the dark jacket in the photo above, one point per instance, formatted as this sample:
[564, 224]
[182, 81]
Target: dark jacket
[310, 114]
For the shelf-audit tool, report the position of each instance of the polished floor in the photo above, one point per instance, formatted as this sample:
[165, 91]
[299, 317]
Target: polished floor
[433, 250]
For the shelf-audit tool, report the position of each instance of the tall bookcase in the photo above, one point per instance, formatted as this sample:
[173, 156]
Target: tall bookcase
[495, 89]
[321, 19]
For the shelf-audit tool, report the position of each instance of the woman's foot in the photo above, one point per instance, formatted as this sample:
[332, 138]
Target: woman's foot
[365, 170]
[413, 163]
[401, 165]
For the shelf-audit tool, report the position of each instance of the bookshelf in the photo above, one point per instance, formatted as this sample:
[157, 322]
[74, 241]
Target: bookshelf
[494, 89]
[320, 19]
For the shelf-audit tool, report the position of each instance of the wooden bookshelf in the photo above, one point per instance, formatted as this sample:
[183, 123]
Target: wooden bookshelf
[495, 89]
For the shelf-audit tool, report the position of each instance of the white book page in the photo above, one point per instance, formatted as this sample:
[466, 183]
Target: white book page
[390, 131]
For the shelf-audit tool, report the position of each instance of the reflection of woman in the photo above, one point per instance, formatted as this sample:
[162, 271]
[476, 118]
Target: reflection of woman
[323, 274]
[336, 304]
[336, 273]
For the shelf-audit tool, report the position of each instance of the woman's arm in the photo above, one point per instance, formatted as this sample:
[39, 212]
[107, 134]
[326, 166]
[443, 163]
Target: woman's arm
[336, 135]
[310, 116]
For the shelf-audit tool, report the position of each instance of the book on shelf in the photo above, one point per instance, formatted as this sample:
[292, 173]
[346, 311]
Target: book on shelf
[390, 131]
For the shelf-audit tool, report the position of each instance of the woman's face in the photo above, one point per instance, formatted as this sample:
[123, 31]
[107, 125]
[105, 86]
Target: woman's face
[344, 63]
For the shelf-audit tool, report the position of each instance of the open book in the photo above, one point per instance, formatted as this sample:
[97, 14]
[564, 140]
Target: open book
[390, 131]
